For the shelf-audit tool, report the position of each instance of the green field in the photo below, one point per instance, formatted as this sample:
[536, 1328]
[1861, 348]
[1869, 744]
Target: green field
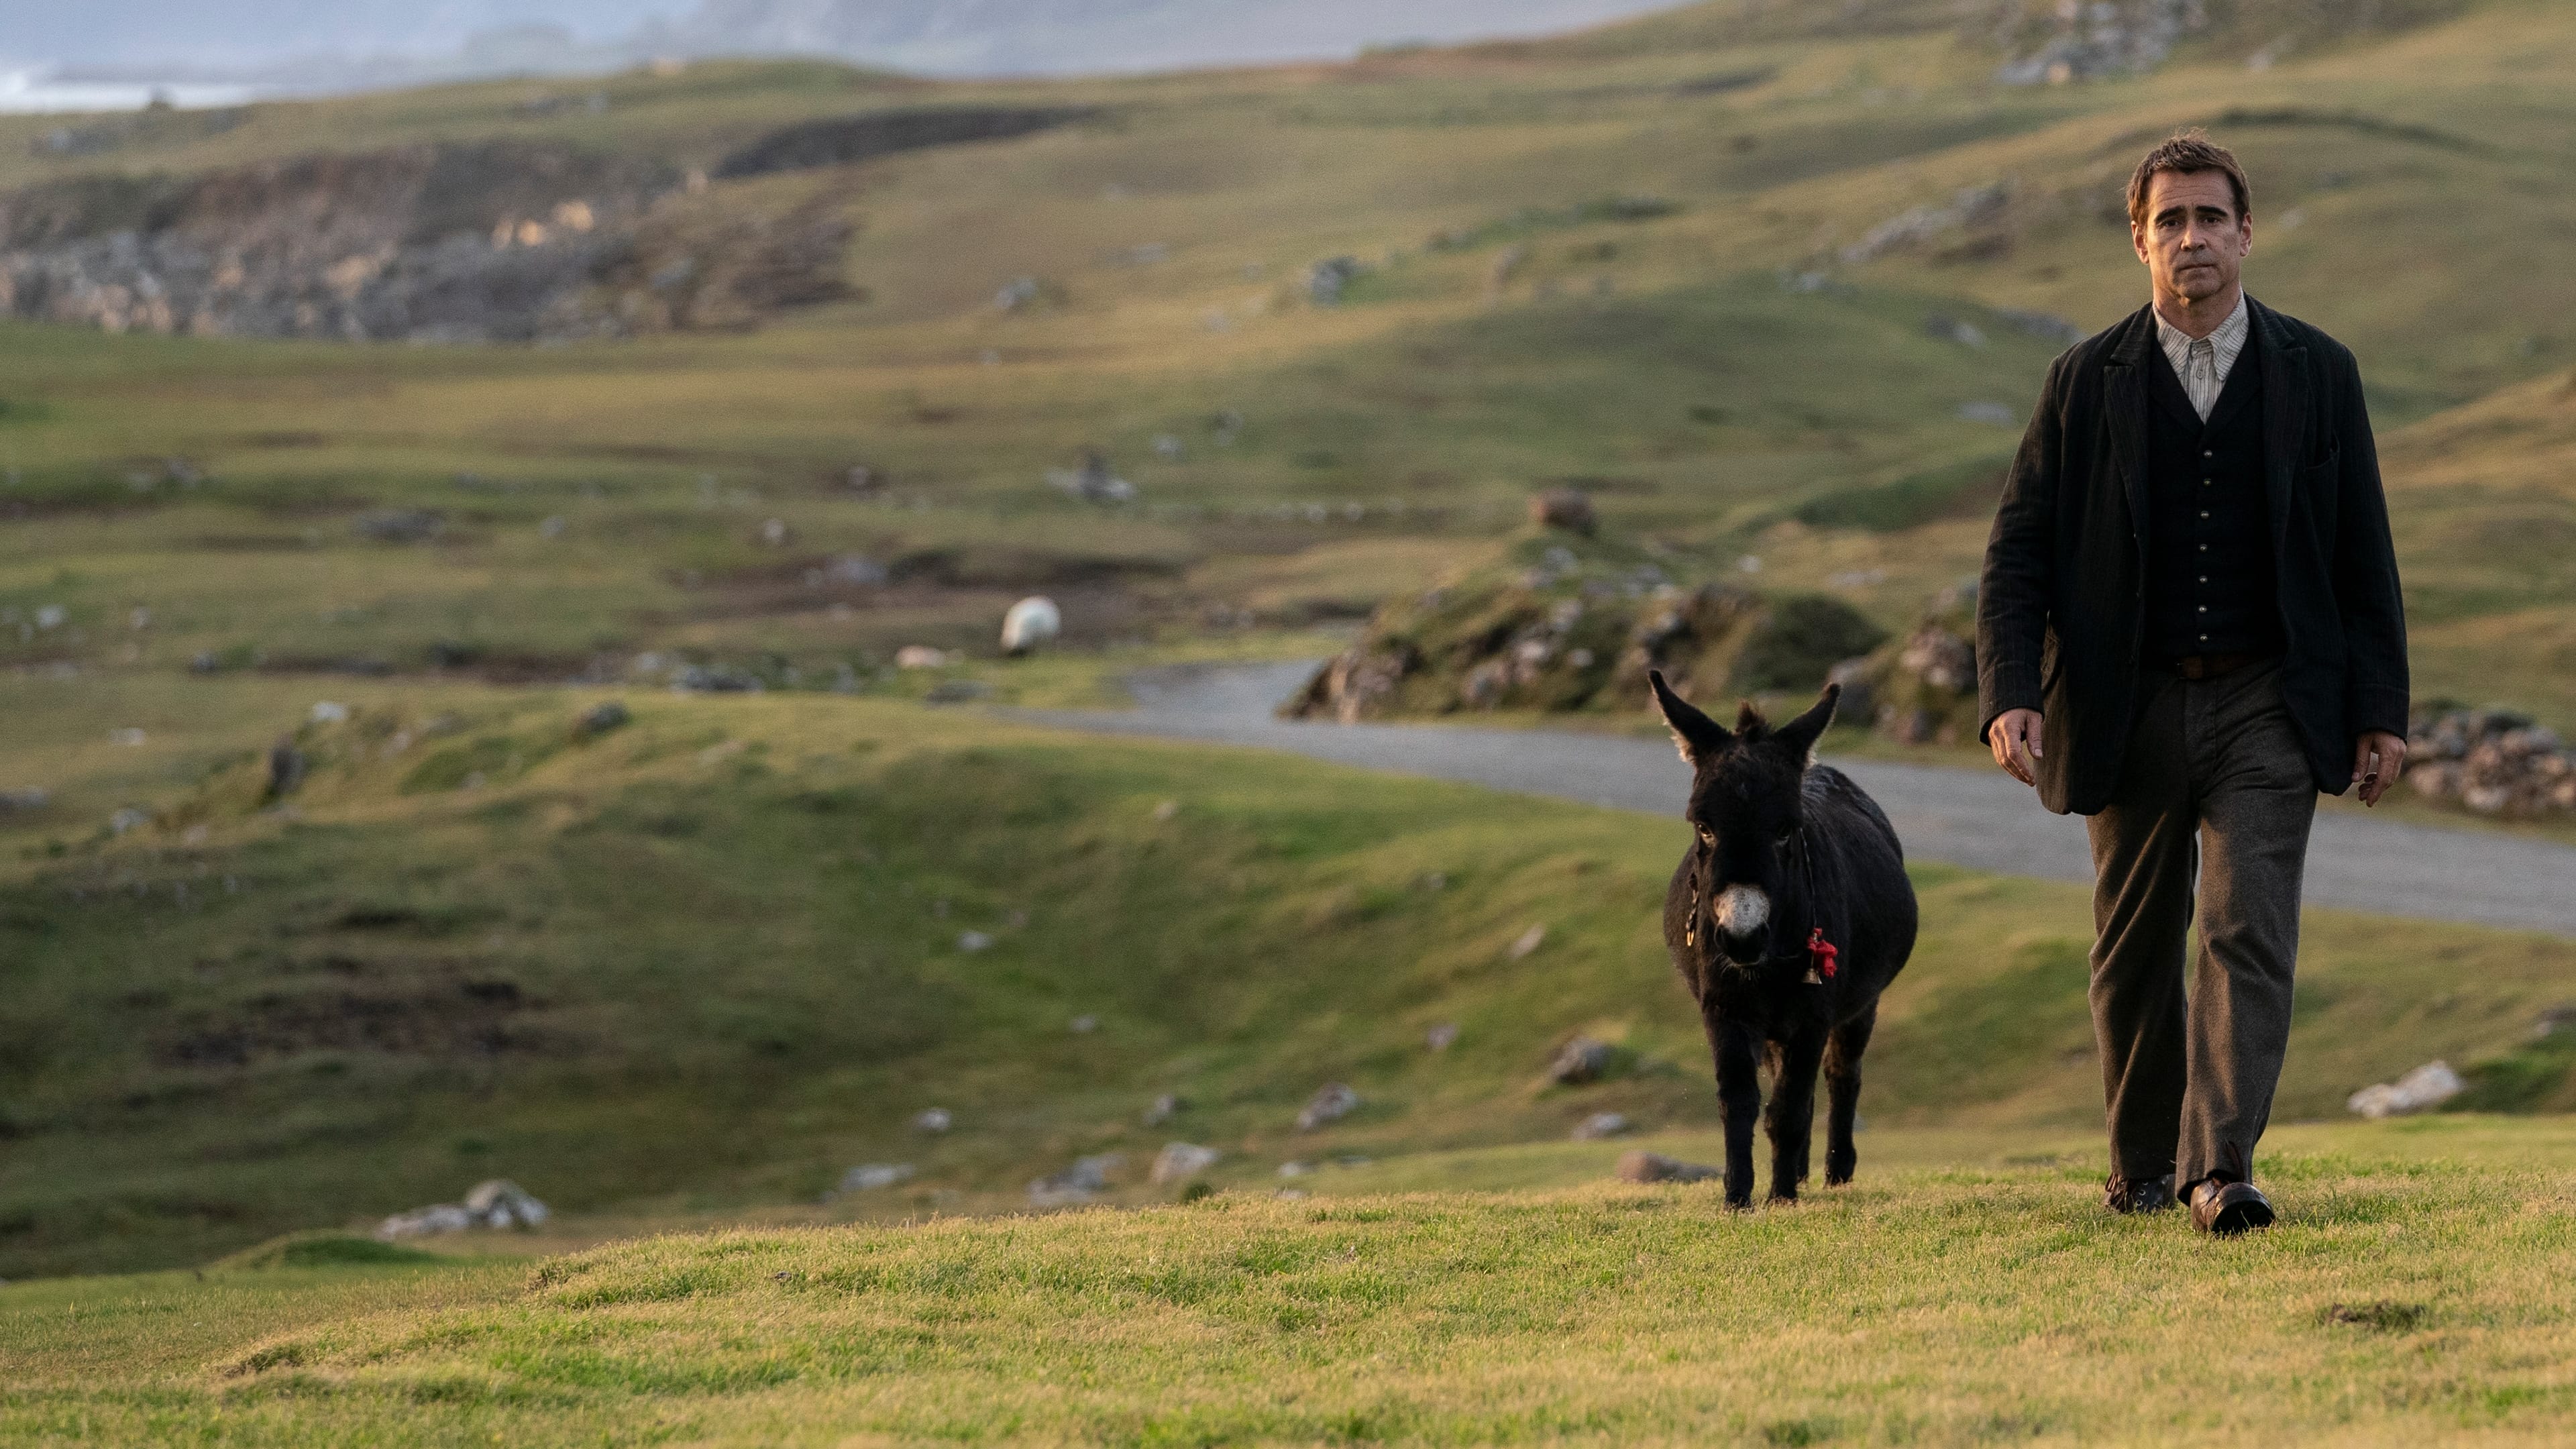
[2410, 1295]
[677, 977]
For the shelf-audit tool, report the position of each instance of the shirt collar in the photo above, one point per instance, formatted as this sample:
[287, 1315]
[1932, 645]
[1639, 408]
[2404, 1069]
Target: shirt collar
[2226, 340]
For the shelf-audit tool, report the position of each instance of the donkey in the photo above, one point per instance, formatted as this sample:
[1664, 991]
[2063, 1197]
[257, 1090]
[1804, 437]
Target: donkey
[1787, 917]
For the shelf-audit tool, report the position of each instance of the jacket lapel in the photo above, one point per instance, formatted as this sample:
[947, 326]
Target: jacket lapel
[2285, 415]
[2124, 397]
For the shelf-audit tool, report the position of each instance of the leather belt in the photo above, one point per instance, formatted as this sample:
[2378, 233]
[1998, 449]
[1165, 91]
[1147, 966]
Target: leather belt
[2213, 666]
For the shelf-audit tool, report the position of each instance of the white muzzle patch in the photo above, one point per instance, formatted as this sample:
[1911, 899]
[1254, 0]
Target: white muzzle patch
[1742, 909]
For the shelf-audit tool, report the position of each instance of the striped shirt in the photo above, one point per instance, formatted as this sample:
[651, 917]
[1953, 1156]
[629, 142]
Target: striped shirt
[2203, 362]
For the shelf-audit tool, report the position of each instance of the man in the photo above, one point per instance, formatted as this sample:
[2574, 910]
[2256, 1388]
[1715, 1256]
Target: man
[2188, 625]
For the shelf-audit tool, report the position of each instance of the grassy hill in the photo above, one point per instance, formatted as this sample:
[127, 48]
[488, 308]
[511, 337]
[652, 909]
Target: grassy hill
[701, 964]
[2408, 1297]
[1770, 286]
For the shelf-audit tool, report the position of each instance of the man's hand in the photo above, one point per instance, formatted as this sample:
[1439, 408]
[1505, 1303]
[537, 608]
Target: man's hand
[2378, 758]
[2014, 737]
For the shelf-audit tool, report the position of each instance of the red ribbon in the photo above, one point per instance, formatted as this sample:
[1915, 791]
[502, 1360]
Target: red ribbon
[1821, 954]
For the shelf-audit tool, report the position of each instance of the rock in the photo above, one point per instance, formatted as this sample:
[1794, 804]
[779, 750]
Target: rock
[445, 1217]
[1441, 1037]
[1528, 941]
[1087, 1178]
[932, 1120]
[971, 942]
[501, 1203]
[400, 525]
[1642, 1166]
[1600, 1125]
[1085, 1024]
[1329, 279]
[327, 711]
[1566, 508]
[871, 1176]
[1332, 1102]
[1295, 1169]
[1181, 1161]
[855, 570]
[1163, 1109]
[922, 656]
[2429, 1085]
[775, 533]
[26, 799]
[1167, 809]
[1582, 1060]
[130, 817]
[599, 719]
[1093, 482]
[1031, 622]
[552, 528]
[1996, 414]
[1017, 293]
[2493, 761]
[957, 691]
[286, 766]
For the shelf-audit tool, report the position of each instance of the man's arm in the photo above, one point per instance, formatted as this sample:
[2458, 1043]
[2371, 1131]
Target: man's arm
[2367, 593]
[2019, 578]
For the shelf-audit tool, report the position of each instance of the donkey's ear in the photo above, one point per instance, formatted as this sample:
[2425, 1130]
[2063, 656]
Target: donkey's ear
[1699, 738]
[1799, 735]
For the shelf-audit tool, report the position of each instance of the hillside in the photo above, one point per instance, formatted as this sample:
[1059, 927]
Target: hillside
[1772, 289]
[1953, 1307]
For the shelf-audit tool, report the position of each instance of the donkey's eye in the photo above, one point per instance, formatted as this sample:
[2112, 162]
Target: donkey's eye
[1785, 833]
[1706, 835]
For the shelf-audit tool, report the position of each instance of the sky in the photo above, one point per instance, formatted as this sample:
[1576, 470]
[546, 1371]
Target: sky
[202, 38]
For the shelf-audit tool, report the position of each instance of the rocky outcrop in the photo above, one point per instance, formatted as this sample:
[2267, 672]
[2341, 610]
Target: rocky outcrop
[1568, 624]
[2492, 761]
[487, 241]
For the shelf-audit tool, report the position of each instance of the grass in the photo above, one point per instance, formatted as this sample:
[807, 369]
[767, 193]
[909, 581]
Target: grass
[700, 965]
[2406, 1296]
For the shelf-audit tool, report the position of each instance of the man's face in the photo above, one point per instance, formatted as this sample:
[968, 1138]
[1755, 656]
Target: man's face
[2193, 242]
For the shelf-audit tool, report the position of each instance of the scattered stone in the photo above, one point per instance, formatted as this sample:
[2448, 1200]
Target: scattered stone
[2089, 41]
[1295, 1169]
[1974, 206]
[871, 1176]
[1167, 810]
[1085, 1024]
[498, 1203]
[1164, 1109]
[1994, 413]
[400, 525]
[957, 691]
[328, 712]
[1329, 279]
[1093, 482]
[1566, 508]
[1953, 329]
[2493, 761]
[1529, 941]
[856, 570]
[128, 736]
[286, 766]
[599, 719]
[1168, 448]
[933, 1120]
[51, 616]
[1582, 1060]
[775, 533]
[1031, 622]
[1441, 1037]
[922, 656]
[26, 799]
[1642, 1166]
[1181, 1161]
[2046, 326]
[1600, 1125]
[2429, 1085]
[552, 528]
[971, 942]
[1086, 1179]
[1331, 1103]
[1017, 293]
[131, 817]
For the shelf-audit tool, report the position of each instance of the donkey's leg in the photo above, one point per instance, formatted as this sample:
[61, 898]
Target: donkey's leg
[1842, 1087]
[1739, 1096]
[1793, 1112]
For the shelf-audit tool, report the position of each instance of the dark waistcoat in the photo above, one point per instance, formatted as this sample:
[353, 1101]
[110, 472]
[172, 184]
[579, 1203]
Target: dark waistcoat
[2210, 572]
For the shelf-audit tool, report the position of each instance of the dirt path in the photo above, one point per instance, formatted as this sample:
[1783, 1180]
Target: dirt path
[1969, 817]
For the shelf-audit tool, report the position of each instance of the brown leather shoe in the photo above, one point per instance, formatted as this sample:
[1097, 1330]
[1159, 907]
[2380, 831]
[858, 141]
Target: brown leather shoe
[2229, 1209]
[2142, 1195]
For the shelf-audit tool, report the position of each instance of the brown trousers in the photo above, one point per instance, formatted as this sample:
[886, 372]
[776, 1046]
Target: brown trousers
[2214, 768]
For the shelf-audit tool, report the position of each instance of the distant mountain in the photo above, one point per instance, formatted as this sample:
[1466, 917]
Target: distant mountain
[303, 45]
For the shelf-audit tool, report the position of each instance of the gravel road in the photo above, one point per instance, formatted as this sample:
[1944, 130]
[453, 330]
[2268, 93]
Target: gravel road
[1976, 818]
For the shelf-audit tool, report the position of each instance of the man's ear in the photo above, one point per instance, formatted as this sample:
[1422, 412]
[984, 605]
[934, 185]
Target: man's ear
[1799, 735]
[1699, 738]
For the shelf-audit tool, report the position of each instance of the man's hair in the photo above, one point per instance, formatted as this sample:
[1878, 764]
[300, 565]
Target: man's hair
[2186, 152]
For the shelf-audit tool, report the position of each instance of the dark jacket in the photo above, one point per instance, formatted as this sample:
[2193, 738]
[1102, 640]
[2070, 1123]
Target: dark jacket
[2061, 606]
